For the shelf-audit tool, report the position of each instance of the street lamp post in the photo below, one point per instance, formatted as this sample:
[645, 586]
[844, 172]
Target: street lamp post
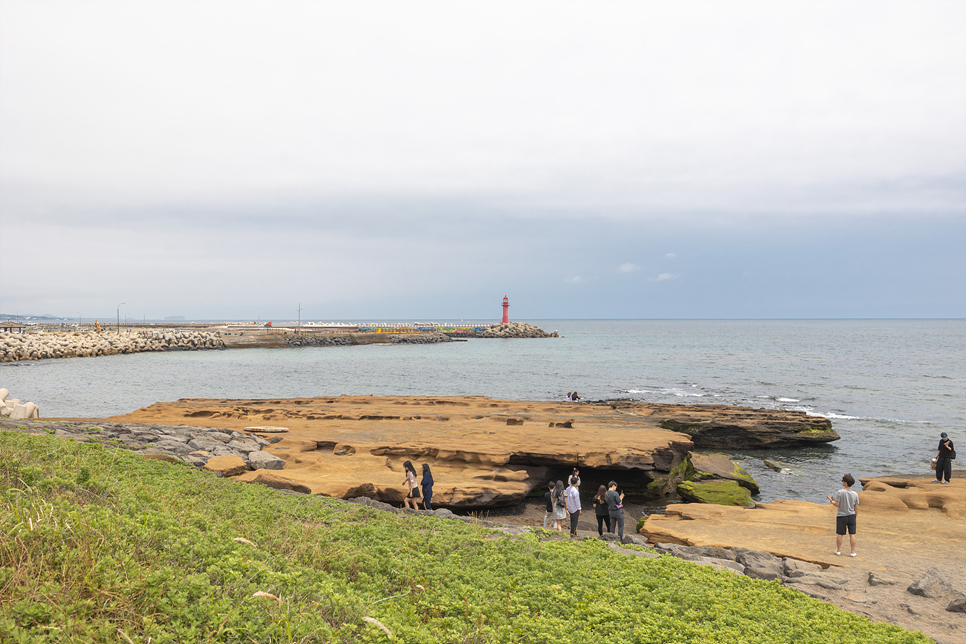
[119, 316]
[299, 330]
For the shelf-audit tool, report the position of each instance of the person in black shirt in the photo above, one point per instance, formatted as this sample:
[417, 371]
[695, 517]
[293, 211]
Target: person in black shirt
[944, 459]
[601, 510]
[548, 497]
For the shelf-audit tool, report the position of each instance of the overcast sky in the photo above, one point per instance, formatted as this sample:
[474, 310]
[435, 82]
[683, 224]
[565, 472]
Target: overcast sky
[230, 160]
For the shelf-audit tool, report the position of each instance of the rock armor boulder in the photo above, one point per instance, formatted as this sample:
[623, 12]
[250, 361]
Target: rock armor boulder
[515, 330]
[43, 346]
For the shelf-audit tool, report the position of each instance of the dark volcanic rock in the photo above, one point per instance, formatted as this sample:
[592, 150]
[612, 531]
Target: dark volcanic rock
[723, 427]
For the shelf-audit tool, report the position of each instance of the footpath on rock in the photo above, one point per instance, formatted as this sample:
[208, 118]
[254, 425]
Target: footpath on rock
[911, 534]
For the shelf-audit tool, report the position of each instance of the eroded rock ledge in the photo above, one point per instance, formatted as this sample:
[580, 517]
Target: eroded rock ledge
[483, 452]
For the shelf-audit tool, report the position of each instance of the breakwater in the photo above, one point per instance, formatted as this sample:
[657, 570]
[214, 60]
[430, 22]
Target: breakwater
[40, 346]
[85, 344]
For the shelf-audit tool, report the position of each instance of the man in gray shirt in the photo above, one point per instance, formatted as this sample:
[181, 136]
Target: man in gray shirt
[845, 500]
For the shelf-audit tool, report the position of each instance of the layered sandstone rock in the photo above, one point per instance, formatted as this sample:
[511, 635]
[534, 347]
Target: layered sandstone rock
[482, 452]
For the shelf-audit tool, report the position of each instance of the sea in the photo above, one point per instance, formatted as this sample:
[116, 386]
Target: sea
[889, 386]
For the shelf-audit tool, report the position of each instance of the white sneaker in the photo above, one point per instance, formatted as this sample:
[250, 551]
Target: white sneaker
[852, 555]
[838, 554]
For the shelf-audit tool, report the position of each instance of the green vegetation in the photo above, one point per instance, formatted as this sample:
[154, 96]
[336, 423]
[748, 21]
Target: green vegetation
[106, 546]
[719, 492]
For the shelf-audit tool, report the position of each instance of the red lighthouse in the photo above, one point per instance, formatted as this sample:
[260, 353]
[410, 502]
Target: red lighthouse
[506, 310]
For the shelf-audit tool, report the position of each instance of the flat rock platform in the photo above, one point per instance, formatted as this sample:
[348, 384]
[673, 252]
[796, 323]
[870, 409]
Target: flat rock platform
[483, 452]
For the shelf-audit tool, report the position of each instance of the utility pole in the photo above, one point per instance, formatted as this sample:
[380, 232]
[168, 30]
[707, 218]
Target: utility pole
[119, 317]
[299, 330]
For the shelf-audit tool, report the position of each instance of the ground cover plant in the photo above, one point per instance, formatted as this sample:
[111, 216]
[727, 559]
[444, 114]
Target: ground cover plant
[102, 545]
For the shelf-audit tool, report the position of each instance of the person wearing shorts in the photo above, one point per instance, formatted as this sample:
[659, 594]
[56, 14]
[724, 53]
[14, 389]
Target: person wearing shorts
[846, 501]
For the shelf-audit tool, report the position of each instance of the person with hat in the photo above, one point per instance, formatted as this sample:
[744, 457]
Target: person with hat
[944, 459]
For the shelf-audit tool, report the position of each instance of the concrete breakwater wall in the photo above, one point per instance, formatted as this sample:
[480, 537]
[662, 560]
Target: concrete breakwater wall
[15, 346]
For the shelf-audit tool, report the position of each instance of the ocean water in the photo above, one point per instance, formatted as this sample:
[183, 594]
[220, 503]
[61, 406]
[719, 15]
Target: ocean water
[889, 386]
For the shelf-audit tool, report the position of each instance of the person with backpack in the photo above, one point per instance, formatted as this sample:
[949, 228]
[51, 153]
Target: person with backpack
[559, 505]
[548, 499]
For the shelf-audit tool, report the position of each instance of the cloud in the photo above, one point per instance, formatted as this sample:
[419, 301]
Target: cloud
[665, 276]
[576, 279]
[671, 255]
[627, 267]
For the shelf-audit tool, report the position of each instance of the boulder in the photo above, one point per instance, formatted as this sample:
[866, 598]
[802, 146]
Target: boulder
[933, 584]
[717, 492]
[264, 461]
[759, 564]
[876, 579]
[958, 605]
[25, 411]
[267, 429]
[245, 445]
[281, 483]
[719, 467]
[797, 568]
[226, 465]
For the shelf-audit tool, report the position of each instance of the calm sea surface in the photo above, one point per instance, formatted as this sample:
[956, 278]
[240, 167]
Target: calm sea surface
[889, 386]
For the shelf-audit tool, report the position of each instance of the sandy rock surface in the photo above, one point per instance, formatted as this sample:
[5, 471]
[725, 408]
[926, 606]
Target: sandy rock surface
[483, 452]
[907, 525]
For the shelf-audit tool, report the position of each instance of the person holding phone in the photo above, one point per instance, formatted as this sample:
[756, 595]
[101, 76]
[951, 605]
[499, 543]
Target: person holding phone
[846, 501]
[615, 508]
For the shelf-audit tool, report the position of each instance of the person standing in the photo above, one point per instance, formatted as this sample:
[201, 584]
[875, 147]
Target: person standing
[573, 504]
[548, 499]
[615, 508]
[427, 485]
[601, 511]
[412, 487]
[846, 501]
[944, 459]
[559, 506]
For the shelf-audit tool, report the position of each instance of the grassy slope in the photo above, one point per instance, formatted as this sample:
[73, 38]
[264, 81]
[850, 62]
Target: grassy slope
[103, 546]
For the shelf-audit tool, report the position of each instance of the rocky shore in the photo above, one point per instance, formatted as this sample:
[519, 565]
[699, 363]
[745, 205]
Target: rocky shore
[484, 452]
[40, 346]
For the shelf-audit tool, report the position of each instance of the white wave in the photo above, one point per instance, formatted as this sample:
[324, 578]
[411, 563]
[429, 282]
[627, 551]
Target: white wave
[788, 400]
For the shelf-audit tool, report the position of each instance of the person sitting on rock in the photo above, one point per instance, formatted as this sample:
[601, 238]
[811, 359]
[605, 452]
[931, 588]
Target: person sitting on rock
[574, 397]
[944, 458]
[845, 500]
[427, 485]
[568, 397]
[412, 487]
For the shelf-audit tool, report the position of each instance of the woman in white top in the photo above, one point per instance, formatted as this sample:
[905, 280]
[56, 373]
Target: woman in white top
[412, 486]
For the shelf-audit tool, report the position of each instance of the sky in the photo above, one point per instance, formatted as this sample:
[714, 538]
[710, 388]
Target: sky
[420, 160]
